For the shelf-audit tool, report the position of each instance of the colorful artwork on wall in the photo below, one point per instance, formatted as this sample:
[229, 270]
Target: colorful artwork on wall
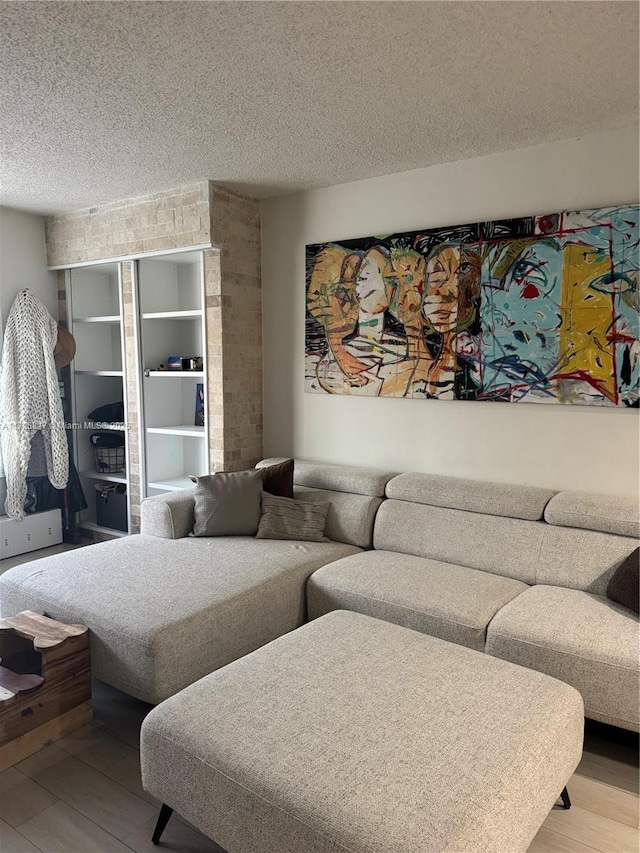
[540, 309]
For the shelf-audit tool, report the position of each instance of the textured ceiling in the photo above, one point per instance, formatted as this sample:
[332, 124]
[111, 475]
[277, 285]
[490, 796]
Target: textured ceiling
[104, 100]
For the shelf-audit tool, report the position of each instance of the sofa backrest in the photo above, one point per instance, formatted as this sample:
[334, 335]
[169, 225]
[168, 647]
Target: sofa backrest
[586, 538]
[586, 511]
[500, 529]
[354, 493]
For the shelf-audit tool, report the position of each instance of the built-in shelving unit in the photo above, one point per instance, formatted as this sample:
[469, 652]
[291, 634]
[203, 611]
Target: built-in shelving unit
[94, 300]
[170, 296]
[168, 309]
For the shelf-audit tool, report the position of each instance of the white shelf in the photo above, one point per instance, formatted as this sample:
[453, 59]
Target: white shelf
[99, 373]
[108, 478]
[112, 318]
[178, 429]
[173, 484]
[181, 374]
[172, 315]
[111, 531]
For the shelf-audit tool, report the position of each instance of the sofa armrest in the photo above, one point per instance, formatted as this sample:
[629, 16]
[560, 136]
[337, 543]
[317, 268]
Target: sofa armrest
[168, 516]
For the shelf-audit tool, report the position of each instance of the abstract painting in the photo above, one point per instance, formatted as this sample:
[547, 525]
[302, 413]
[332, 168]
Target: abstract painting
[539, 309]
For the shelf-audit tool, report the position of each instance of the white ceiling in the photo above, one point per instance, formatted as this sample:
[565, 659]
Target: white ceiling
[107, 100]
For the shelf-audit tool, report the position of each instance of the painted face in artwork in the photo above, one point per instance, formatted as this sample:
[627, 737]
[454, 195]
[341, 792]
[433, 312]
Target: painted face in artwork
[469, 277]
[532, 287]
[440, 307]
[523, 319]
[410, 276]
[370, 288]
[332, 297]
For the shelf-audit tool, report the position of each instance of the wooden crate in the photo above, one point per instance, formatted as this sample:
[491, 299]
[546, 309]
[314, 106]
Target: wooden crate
[45, 683]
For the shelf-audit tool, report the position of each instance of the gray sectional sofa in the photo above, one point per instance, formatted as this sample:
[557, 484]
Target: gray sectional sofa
[514, 571]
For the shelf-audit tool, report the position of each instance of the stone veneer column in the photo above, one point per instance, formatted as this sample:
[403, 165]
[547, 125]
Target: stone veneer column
[215, 396]
[179, 218]
[131, 374]
[235, 227]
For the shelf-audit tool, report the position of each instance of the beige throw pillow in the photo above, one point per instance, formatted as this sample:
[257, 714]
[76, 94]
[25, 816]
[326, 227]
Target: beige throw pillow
[227, 504]
[286, 518]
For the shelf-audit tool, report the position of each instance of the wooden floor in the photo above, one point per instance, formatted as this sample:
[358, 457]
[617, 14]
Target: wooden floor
[83, 794]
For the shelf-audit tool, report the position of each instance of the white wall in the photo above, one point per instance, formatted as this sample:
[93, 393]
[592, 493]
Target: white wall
[557, 446]
[23, 263]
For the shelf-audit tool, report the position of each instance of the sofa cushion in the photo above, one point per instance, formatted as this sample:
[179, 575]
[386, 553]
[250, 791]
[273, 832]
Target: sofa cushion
[502, 546]
[163, 613]
[580, 638]
[286, 518]
[227, 504]
[511, 501]
[350, 517]
[607, 513]
[624, 586]
[338, 478]
[451, 602]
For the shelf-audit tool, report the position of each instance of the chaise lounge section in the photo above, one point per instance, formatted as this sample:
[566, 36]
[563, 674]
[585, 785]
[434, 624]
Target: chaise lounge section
[165, 608]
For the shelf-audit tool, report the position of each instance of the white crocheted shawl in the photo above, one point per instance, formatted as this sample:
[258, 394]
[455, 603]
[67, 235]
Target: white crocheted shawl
[30, 399]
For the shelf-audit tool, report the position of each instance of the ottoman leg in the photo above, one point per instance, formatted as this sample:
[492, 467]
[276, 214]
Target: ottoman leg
[163, 820]
[566, 802]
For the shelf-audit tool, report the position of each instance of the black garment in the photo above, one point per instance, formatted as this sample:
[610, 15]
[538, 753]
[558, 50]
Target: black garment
[41, 495]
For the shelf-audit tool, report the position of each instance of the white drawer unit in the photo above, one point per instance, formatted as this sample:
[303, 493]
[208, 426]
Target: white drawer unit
[40, 530]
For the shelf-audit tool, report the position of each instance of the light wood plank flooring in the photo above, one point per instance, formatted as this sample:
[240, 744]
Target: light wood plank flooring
[83, 794]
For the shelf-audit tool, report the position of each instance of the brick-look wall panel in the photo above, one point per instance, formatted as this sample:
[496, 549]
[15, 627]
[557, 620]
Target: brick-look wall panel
[215, 401]
[165, 220]
[235, 227]
[131, 373]
[62, 298]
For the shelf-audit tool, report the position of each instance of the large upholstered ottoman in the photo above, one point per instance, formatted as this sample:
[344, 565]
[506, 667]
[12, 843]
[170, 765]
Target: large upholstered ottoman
[353, 734]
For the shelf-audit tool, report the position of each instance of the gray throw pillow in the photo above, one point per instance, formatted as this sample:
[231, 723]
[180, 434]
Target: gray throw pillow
[287, 518]
[227, 504]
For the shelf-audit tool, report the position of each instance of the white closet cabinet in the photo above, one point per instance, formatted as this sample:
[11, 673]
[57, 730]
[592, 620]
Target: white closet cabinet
[168, 307]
